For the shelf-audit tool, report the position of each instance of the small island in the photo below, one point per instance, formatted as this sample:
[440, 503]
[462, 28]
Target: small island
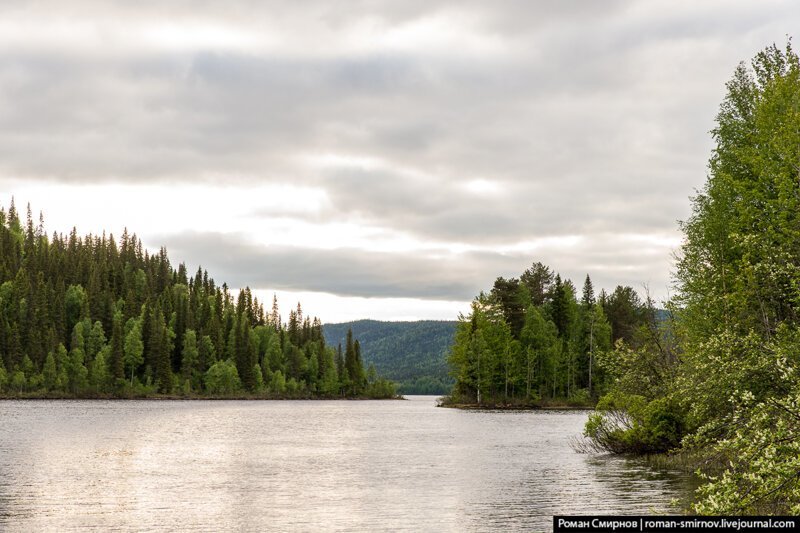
[532, 342]
[92, 317]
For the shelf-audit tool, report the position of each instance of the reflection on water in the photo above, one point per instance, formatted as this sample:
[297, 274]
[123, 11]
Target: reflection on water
[305, 465]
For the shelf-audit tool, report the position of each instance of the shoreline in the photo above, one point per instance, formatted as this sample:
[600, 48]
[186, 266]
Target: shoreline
[172, 397]
[512, 407]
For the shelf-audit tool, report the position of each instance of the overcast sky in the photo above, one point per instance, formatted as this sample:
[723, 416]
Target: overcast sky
[376, 159]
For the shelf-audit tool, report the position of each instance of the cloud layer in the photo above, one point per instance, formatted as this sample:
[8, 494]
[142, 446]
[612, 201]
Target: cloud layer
[452, 134]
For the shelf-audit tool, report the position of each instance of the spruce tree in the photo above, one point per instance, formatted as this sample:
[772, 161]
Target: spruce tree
[117, 348]
[244, 353]
[164, 364]
[588, 300]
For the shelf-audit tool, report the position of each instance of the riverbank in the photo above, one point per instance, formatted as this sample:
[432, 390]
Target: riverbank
[445, 401]
[190, 397]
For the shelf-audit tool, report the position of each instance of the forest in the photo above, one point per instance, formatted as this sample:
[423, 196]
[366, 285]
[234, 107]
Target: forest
[411, 354]
[93, 317]
[711, 384]
[535, 340]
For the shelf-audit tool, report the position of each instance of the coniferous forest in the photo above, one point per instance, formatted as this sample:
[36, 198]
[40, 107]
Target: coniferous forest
[536, 340]
[710, 384]
[93, 317]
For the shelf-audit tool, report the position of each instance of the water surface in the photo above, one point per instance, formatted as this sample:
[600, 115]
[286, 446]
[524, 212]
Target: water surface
[305, 466]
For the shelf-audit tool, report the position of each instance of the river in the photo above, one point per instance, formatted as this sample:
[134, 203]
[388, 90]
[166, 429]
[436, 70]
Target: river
[305, 466]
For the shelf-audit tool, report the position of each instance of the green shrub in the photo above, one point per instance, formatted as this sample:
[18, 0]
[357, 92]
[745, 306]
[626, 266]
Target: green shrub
[628, 423]
[223, 378]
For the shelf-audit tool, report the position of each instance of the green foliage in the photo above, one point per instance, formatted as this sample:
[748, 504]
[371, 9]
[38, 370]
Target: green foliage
[258, 378]
[531, 340]
[720, 378]
[640, 412]
[18, 381]
[99, 376]
[278, 383]
[412, 354]
[629, 423]
[763, 469]
[191, 360]
[134, 349]
[76, 372]
[49, 372]
[381, 388]
[223, 378]
[136, 326]
[76, 304]
[117, 354]
[63, 364]
[624, 311]
[739, 281]
[96, 340]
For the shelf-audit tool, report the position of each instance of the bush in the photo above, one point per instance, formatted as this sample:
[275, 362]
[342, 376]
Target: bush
[628, 423]
[18, 381]
[223, 378]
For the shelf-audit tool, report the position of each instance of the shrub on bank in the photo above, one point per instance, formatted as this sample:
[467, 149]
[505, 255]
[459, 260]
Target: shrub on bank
[629, 423]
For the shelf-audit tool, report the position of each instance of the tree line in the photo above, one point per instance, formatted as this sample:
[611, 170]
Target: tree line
[712, 380]
[535, 339]
[95, 317]
[718, 385]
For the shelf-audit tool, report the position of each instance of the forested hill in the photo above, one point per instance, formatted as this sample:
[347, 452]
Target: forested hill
[93, 316]
[412, 354]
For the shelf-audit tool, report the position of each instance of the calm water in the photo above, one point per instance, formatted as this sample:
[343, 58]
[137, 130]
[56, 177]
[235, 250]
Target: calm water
[304, 465]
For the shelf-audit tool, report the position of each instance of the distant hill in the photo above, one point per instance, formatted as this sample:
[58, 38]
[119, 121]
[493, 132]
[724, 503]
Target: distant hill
[412, 354]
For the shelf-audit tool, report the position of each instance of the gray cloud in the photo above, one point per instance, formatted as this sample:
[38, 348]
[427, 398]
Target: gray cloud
[343, 271]
[433, 275]
[592, 118]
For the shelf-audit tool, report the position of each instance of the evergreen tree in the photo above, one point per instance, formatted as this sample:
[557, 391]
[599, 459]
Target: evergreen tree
[587, 300]
[121, 310]
[538, 279]
[164, 366]
[508, 295]
[352, 365]
[244, 355]
[117, 354]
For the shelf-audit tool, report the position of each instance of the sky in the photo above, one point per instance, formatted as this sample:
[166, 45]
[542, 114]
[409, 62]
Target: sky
[375, 159]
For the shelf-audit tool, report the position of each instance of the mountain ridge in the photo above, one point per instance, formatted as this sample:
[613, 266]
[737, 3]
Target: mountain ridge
[412, 353]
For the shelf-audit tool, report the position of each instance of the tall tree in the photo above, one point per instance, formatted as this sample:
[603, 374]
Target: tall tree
[134, 348]
[739, 281]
